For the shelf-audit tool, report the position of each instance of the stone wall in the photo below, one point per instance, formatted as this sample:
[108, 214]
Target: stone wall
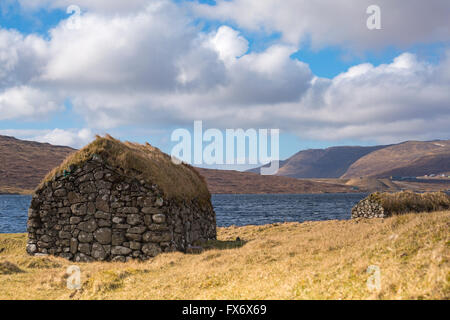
[368, 208]
[96, 212]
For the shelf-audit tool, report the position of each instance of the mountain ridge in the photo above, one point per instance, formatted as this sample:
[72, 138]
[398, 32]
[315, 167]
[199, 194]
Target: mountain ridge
[348, 162]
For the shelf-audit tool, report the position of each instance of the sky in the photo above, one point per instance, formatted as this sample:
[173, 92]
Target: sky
[140, 69]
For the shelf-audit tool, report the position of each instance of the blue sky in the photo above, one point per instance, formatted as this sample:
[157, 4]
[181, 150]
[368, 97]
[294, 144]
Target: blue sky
[302, 83]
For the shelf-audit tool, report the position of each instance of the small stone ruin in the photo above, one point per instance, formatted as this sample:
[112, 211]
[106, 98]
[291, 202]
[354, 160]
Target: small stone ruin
[91, 208]
[383, 205]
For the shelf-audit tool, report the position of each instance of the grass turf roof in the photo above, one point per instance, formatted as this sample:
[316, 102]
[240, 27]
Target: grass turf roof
[180, 182]
[408, 201]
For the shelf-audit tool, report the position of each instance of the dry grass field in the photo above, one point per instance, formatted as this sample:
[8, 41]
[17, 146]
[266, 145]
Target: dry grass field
[311, 260]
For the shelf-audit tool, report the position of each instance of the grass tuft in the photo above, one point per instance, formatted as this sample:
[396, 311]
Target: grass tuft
[7, 267]
[40, 263]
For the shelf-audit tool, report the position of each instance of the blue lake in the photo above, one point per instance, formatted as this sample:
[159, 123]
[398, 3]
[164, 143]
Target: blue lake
[231, 209]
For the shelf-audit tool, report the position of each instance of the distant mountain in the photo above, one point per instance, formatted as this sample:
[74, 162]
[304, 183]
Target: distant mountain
[24, 163]
[322, 163]
[411, 158]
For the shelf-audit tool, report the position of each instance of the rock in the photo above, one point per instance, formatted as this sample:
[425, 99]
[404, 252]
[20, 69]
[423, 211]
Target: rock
[73, 245]
[84, 178]
[156, 237]
[85, 237]
[133, 236]
[138, 230]
[134, 219]
[32, 213]
[117, 238]
[31, 248]
[75, 220]
[150, 210]
[33, 223]
[88, 187]
[103, 223]
[148, 220]
[84, 248]
[64, 235]
[81, 257]
[119, 259]
[128, 210]
[103, 185]
[119, 250]
[134, 245]
[75, 198]
[99, 175]
[88, 226]
[159, 202]
[151, 249]
[79, 209]
[46, 238]
[64, 210]
[102, 205]
[98, 252]
[118, 220]
[60, 193]
[158, 227]
[102, 215]
[159, 218]
[103, 235]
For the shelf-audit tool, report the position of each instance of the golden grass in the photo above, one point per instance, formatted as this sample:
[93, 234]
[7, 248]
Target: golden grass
[311, 260]
[408, 201]
[144, 162]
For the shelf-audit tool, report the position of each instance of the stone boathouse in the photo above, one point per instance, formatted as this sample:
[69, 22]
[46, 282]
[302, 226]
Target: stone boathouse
[113, 201]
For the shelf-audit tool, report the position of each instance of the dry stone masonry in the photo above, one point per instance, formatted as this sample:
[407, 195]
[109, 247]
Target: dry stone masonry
[367, 208]
[96, 212]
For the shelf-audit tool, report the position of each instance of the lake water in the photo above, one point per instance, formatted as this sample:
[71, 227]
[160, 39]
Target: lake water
[239, 210]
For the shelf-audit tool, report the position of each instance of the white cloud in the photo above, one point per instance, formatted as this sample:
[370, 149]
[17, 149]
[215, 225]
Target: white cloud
[109, 6]
[407, 99]
[75, 138]
[330, 22]
[228, 44]
[26, 103]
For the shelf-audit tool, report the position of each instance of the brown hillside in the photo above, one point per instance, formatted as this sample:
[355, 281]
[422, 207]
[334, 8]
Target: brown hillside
[221, 181]
[412, 158]
[23, 164]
